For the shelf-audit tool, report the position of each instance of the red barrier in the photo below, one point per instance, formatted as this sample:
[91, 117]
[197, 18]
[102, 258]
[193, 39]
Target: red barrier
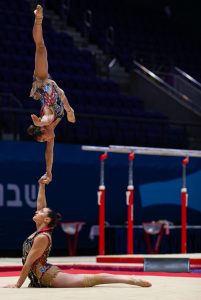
[184, 200]
[101, 203]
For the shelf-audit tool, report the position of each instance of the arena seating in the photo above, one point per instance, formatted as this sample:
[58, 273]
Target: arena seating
[155, 33]
[104, 114]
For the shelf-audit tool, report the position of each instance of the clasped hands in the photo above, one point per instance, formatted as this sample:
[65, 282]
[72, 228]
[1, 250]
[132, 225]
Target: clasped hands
[46, 178]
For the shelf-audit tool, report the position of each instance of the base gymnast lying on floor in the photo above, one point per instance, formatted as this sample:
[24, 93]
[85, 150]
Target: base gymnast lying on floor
[36, 249]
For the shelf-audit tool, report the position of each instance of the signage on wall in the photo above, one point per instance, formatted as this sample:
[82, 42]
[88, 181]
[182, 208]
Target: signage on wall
[13, 195]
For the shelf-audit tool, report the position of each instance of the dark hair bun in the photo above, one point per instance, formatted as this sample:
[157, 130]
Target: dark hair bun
[55, 217]
[34, 131]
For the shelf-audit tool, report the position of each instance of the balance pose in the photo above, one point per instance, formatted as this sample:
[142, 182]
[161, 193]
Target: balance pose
[53, 100]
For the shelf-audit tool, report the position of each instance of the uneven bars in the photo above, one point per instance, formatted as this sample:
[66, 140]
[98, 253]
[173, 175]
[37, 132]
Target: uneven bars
[96, 148]
[144, 150]
[153, 151]
[156, 151]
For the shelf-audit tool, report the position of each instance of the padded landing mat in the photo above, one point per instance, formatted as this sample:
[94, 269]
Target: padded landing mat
[84, 271]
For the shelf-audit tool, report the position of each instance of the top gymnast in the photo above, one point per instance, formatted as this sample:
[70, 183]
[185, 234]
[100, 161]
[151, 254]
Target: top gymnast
[53, 99]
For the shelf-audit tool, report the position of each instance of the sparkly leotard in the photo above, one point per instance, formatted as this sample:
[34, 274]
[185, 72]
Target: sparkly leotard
[41, 273]
[49, 94]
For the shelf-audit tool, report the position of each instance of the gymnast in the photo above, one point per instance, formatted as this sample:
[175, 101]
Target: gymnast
[36, 249]
[52, 98]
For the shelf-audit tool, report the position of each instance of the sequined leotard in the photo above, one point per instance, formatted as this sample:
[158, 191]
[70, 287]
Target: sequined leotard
[41, 273]
[49, 94]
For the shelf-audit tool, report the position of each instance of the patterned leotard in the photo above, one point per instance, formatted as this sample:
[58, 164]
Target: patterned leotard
[41, 273]
[49, 94]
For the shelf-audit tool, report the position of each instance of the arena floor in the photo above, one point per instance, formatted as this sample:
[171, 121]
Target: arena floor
[165, 287]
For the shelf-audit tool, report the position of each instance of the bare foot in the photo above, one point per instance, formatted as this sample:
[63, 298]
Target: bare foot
[38, 12]
[140, 282]
[71, 116]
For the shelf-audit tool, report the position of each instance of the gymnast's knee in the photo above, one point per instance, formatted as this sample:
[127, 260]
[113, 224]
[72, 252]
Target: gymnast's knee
[90, 281]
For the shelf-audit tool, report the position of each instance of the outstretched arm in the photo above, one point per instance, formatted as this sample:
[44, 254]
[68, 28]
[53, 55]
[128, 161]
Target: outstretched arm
[41, 199]
[38, 248]
[67, 107]
[49, 155]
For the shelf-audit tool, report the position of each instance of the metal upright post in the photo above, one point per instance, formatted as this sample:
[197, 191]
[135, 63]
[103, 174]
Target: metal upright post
[101, 203]
[184, 204]
[130, 203]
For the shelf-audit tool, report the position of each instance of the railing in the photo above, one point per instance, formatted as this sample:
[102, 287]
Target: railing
[188, 78]
[184, 83]
[182, 98]
[10, 122]
[138, 128]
